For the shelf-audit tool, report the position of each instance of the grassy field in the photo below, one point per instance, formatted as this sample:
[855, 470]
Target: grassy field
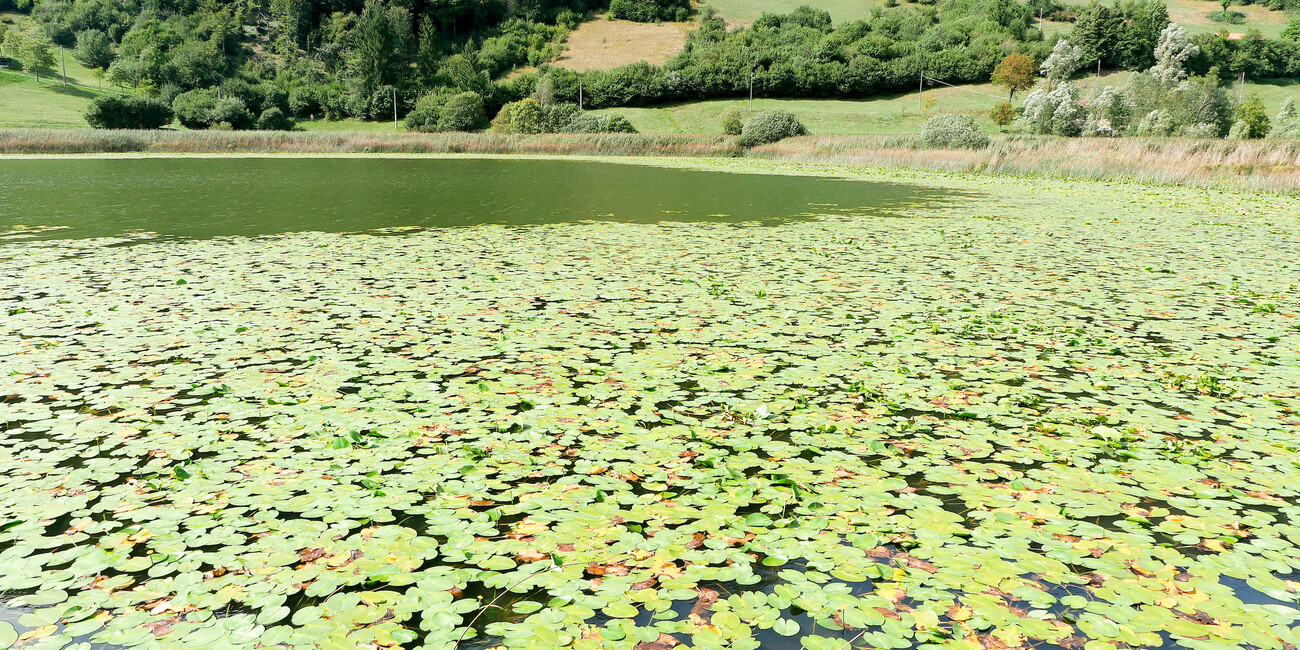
[746, 11]
[893, 114]
[346, 125]
[1194, 15]
[602, 44]
[29, 103]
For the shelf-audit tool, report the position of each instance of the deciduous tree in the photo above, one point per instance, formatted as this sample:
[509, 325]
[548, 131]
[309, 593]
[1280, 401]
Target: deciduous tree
[1015, 73]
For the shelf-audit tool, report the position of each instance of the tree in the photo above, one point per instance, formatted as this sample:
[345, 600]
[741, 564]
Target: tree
[1096, 34]
[1111, 112]
[1252, 119]
[1287, 124]
[1002, 114]
[1015, 72]
[31, 45]
[1172, 53]
[1053, 110]
[379, 46]
[94, 49]
[1062, 62]
[1141, 34]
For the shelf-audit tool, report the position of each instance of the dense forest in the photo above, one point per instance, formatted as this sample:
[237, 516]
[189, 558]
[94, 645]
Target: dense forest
[451, 64]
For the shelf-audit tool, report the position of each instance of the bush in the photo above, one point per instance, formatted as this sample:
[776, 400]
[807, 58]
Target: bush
[1002, 114]
[1230, 17]
[205, 109]
[1205, 130]
[770, 126]
[732, 121]
[108, 112]
[588, 123]
[950, 131]
[1252, 120]
[1156, 123]
[232, 111]
[523, 116]
[462, 112]
[274, 119]
[649, 11]
[556, 117]
[424, 117]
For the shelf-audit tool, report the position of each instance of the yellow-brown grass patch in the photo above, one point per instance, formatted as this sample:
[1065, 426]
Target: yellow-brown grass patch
[1196, 12]
[602, 44]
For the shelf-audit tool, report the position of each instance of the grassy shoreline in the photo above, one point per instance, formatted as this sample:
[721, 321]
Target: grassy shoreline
[1261, 165]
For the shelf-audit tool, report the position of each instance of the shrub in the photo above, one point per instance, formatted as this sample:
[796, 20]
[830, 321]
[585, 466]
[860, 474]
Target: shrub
[770, 126]
[523, 116]
[1200, 130]
[649, 11]
[274, 119]
[109, 112]
[232, 111]
[1230, 17]
[1251, 117]
[194, 108]
[556, 117]
[424, 117]
[1156, 123]
[588, 123]
[1002, 113]
[205, 109]
[732, 121]
[948, 131]
[462, 112]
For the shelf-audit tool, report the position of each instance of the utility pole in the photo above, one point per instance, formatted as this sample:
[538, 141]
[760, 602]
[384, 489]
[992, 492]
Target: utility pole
[920, 89]
[751, 90]
[63, 60]
[395, 127]
[1099, 67]
[580, 95]
[1241, 88]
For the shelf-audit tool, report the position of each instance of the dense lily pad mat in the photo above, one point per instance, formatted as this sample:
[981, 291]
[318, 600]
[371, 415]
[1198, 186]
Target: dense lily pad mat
[1060, 420]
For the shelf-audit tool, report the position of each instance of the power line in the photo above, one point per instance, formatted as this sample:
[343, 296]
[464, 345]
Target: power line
[929, 78]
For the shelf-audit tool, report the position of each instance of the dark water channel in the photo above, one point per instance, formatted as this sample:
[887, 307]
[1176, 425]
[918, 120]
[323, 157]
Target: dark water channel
[208, 197]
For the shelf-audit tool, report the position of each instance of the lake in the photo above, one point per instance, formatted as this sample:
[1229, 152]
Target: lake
[258, 196]
[471, 403]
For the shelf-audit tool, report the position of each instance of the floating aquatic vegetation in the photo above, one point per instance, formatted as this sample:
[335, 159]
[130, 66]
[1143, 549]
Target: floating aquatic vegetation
[1010, 431]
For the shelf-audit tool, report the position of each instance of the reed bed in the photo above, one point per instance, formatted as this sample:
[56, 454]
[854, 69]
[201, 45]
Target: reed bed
[1261, 165]
[74, 141]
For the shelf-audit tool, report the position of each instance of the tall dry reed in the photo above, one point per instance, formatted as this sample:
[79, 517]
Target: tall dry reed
[1265, 165]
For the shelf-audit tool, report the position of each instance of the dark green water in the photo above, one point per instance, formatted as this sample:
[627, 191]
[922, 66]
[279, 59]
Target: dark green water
[259, 196]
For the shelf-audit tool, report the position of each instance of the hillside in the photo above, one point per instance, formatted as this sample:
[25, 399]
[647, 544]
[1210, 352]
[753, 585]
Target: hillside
[24, 102]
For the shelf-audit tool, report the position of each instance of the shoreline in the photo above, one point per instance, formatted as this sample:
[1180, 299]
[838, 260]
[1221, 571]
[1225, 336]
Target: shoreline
[1264, 166]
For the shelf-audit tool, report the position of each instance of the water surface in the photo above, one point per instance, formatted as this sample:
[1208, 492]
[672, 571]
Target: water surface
[206, 197]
